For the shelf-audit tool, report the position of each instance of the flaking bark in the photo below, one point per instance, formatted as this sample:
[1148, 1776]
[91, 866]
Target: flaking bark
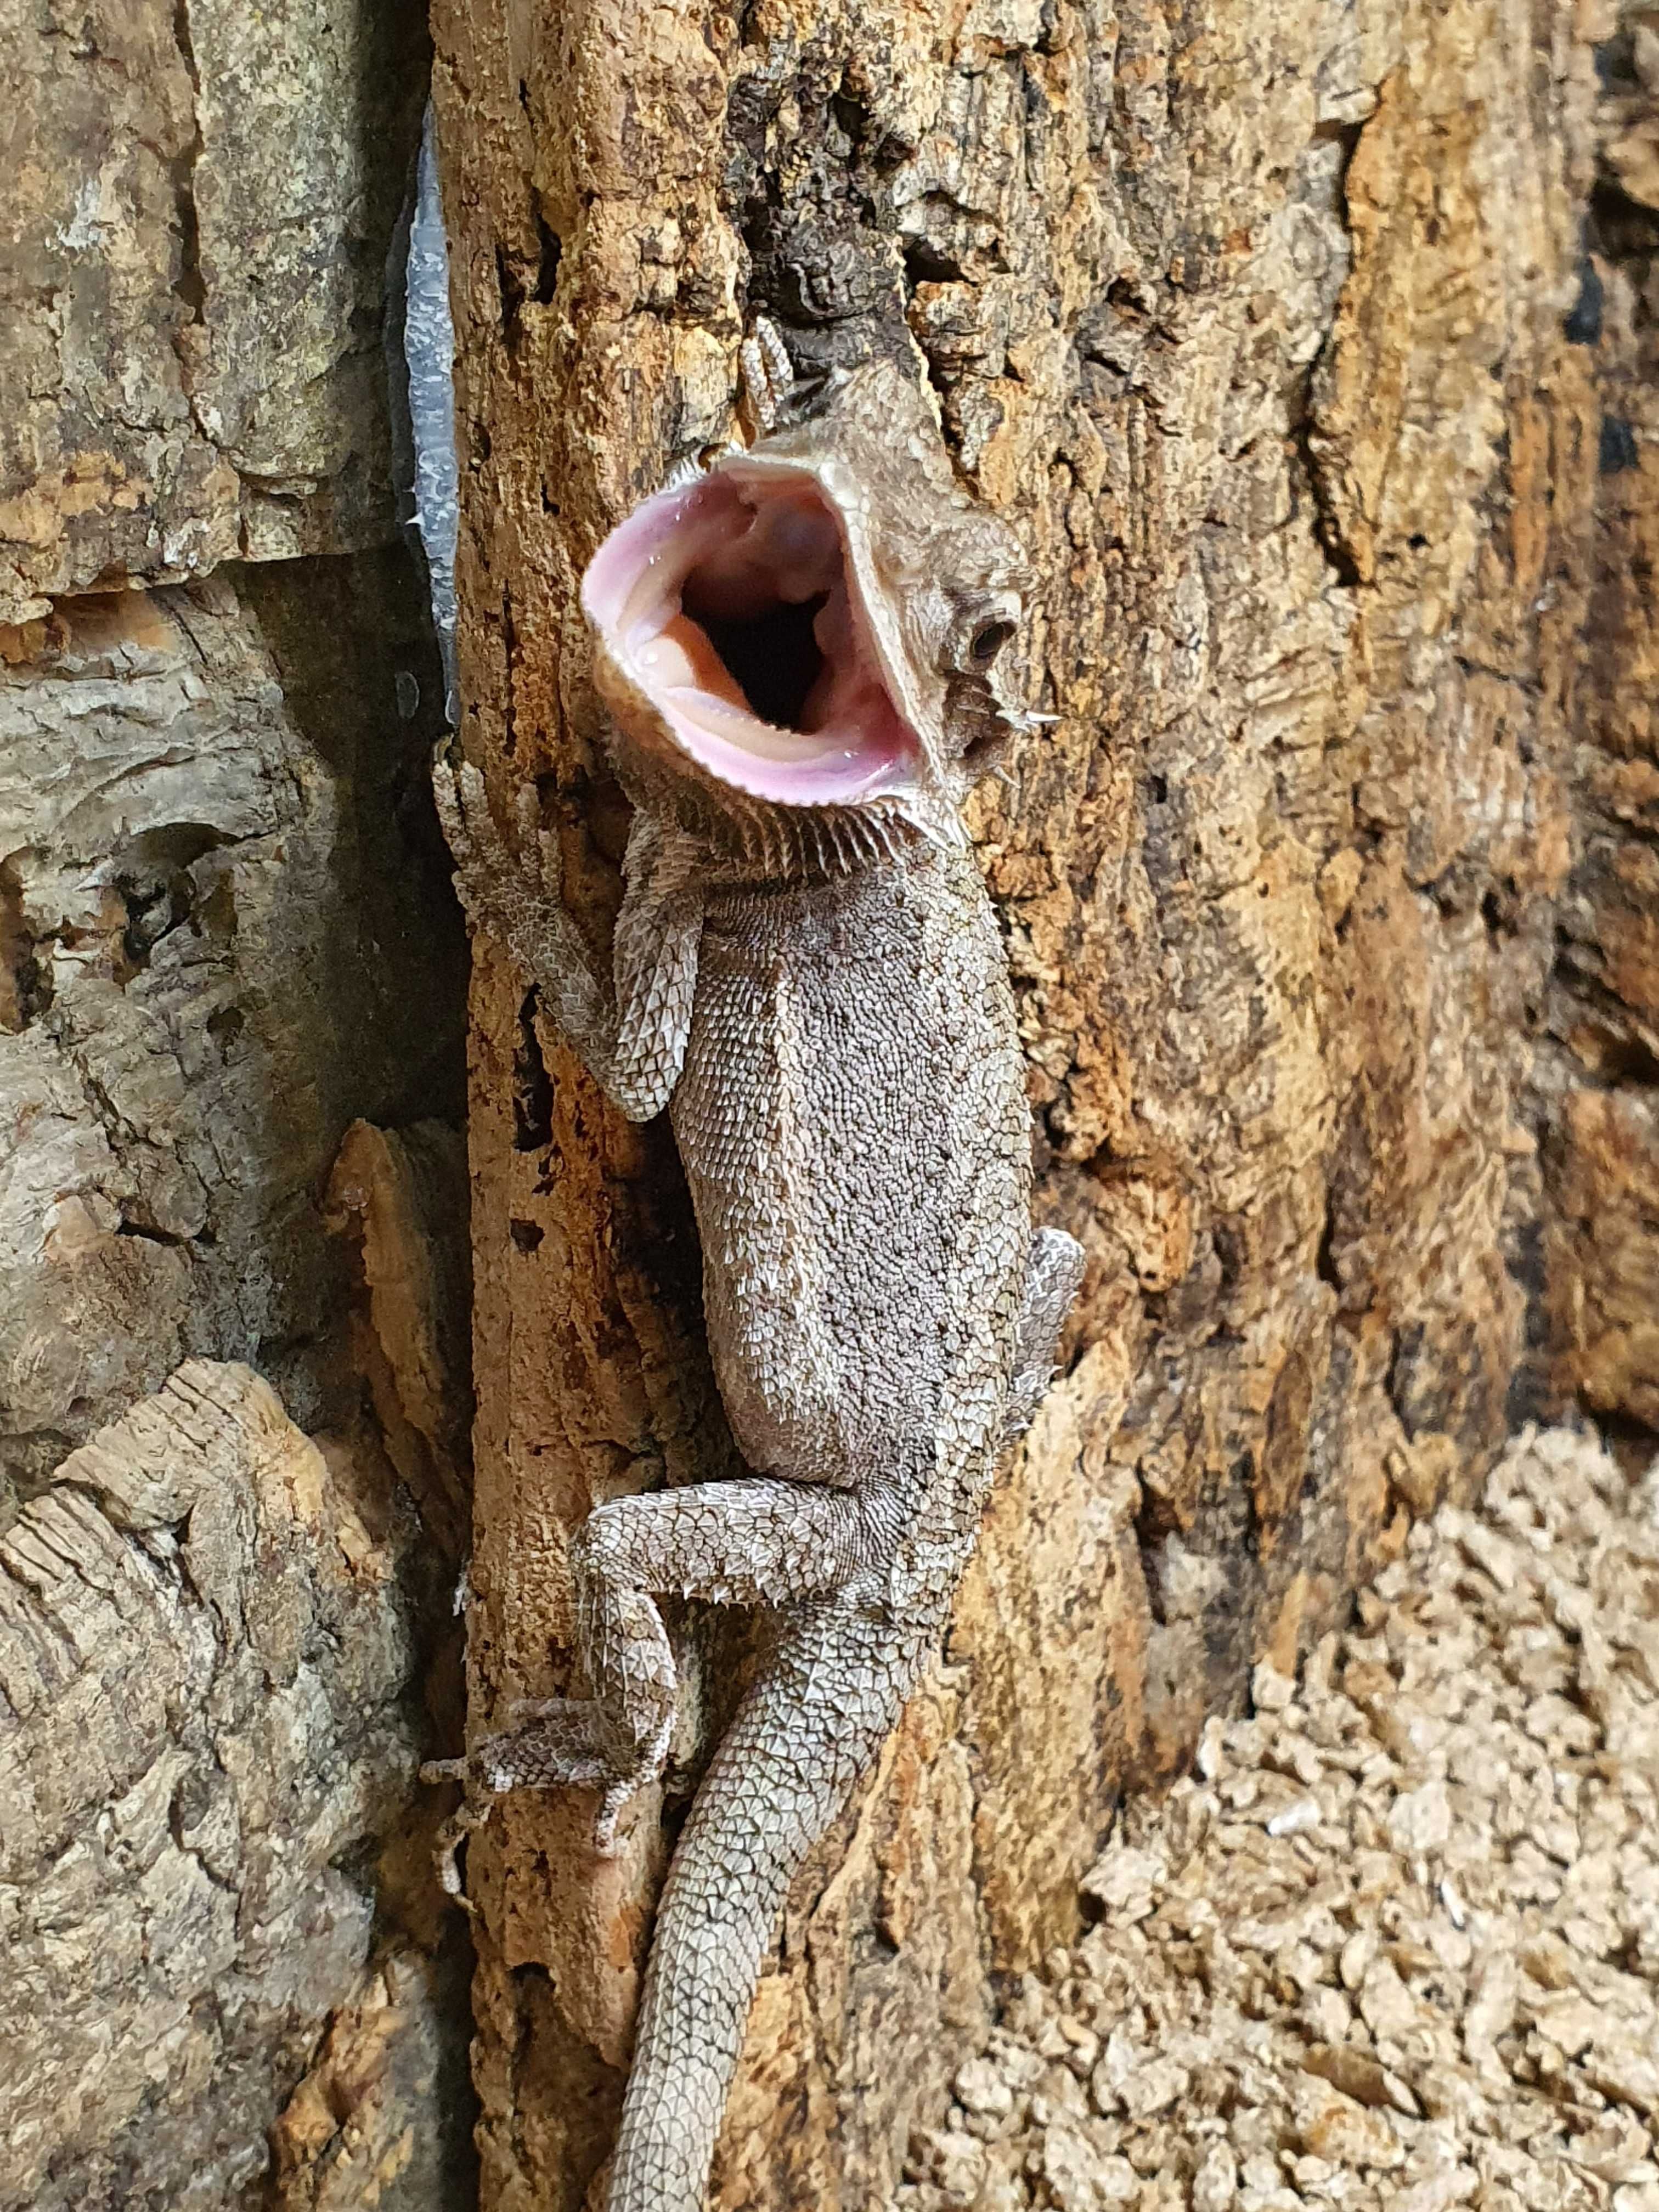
[1255, 321]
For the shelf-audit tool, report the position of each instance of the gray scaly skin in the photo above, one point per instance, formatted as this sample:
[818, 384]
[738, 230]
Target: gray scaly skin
[817, 991]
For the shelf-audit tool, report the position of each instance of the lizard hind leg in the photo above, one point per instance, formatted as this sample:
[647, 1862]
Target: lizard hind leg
[752, 1542]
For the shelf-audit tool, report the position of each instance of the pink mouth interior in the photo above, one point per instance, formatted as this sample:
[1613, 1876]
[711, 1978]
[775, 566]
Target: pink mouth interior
[728, 604]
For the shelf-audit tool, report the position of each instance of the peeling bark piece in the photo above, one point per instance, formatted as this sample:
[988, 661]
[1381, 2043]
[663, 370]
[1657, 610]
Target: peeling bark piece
[208, 1644]
[201, 205]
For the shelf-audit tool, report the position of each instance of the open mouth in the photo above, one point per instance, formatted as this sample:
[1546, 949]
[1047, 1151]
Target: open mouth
[729, 605]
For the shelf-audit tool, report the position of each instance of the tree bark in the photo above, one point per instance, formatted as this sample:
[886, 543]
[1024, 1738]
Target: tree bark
[1601, 1228]
[227, 941]
[1260, 323]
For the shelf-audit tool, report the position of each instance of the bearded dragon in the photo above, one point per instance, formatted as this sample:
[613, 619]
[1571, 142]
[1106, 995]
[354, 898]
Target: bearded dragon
[804, 650]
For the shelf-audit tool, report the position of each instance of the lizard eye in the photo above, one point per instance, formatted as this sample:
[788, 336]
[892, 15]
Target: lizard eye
[988, 641]
[979, 632]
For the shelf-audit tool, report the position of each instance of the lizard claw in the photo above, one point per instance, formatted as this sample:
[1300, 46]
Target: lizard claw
[528, 816]
[550, 1743]
[463, 807]
[769, 374]
[470, 1814]
[492, 875]
[539, 846]
[445, 798]
[467, 1816]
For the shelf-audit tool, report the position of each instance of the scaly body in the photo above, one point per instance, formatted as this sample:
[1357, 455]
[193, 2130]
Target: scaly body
[807, 973]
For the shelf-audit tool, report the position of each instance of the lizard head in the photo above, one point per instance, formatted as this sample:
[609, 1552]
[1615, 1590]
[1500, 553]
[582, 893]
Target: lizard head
[819, 623]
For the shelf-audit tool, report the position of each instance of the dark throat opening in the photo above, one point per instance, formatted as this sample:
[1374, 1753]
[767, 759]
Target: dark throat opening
[774, 656]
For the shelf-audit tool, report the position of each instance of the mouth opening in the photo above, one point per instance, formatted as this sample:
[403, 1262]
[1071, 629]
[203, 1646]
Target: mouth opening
[730, 606]
[773, 656]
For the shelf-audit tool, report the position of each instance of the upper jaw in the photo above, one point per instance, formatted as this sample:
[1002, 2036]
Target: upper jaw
[736, 630]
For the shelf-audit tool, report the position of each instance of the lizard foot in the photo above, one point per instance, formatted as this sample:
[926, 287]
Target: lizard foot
[768, 377]
[551, 1743]
[497, 879]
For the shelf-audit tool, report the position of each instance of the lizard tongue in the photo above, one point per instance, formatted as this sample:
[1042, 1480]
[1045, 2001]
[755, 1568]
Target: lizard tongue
[725, 610]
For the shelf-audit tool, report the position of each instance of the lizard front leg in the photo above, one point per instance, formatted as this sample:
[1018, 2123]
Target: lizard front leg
[750, 1541]
[630, 1030]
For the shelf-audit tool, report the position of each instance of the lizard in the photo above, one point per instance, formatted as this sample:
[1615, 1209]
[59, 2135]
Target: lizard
[803, 650]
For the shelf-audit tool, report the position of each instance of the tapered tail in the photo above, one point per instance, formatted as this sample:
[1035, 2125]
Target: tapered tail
[800, 1741]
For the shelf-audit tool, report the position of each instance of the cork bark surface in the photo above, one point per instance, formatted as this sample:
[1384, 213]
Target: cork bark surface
[199, 203]
[1602, 1240]
[209, 1629]
[1263, 325]
[233, 1301]
[225, 1597]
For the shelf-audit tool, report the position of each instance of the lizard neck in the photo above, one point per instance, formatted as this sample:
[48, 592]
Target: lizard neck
[805, 844]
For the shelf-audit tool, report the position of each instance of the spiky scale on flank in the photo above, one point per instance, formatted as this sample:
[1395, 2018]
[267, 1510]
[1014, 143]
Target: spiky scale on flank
[819, 994]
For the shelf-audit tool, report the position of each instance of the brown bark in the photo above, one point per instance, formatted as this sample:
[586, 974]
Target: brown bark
[1601, 1154]
[1256, 322]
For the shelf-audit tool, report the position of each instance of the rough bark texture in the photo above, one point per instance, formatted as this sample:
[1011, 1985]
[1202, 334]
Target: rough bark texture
[200, 199]
[209, 1629]
[1602, 1241]
[219, 880]
[228, 932]
[1261, 323]
[225, 933]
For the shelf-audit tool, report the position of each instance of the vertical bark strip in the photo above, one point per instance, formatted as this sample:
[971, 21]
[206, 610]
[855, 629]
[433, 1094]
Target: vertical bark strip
[1258, 322]
[1601, 1238]
[226, 937]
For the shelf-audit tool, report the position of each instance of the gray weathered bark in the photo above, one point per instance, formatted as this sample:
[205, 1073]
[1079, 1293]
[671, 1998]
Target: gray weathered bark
[225, 935]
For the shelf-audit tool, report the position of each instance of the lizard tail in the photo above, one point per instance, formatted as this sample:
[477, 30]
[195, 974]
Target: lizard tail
[799, 1743]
